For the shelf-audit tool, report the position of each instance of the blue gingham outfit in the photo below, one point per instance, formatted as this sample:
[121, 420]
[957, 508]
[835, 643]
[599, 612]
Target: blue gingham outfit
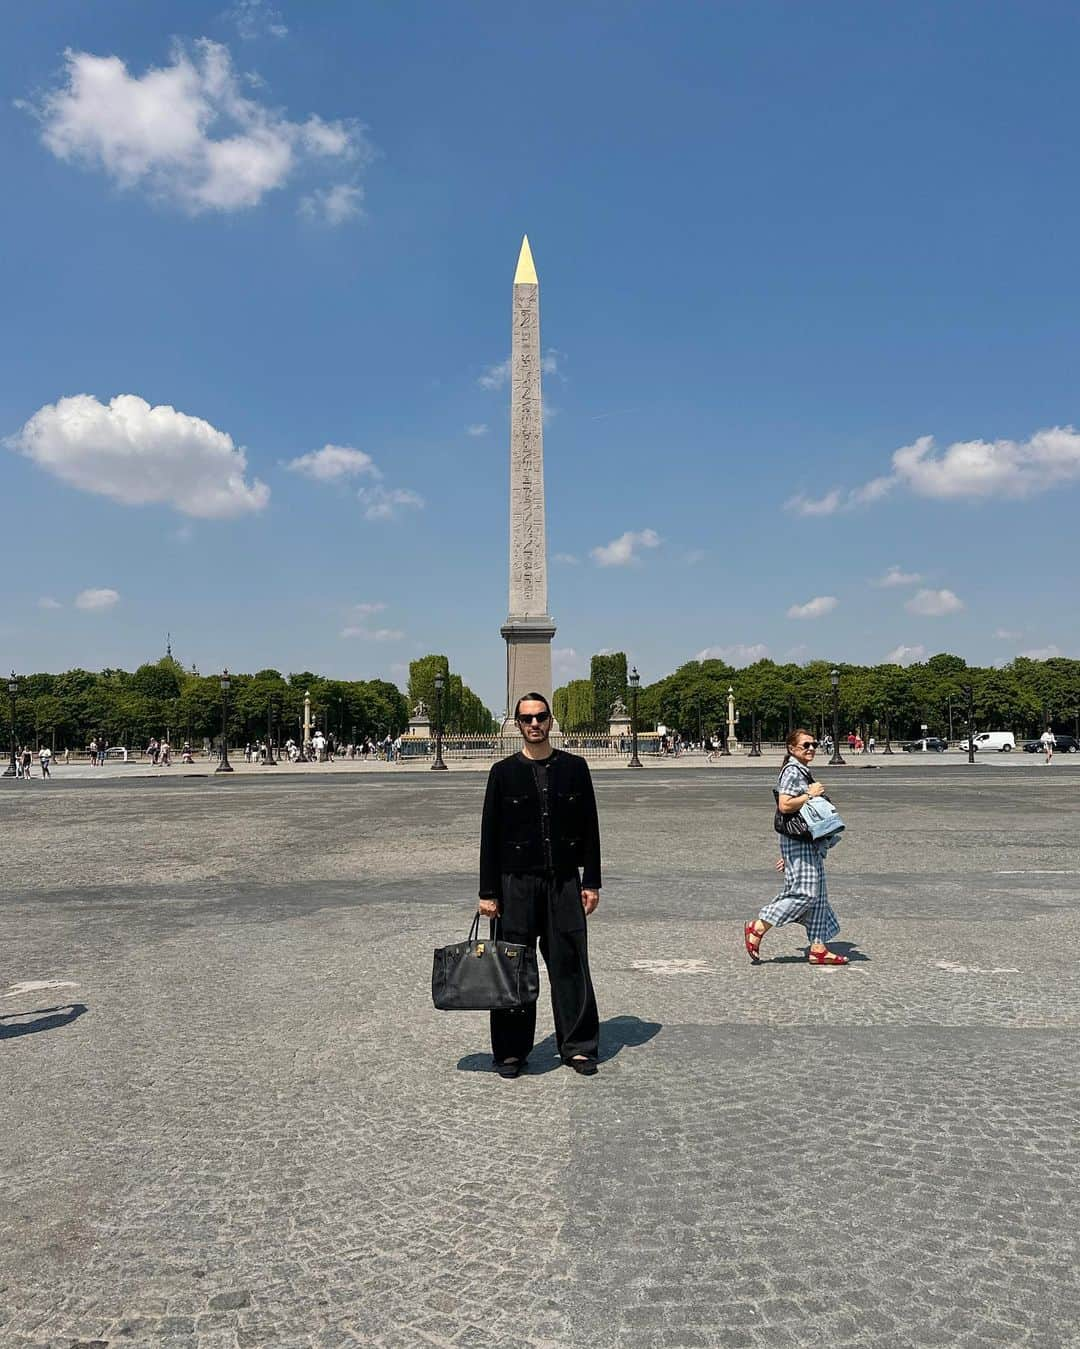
[805, 896]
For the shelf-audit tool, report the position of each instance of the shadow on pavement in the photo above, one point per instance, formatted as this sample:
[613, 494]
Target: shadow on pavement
[616, 1033]
[842, 948]
[50, 1018]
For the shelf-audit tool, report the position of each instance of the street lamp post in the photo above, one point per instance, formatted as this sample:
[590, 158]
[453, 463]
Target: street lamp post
[438, 724]
[834, 680]
[888, 737]
[790, 713]
[755, 744]
[270, 761]
[970, 725]
[635, 680]
[13, 687]
[224, 766]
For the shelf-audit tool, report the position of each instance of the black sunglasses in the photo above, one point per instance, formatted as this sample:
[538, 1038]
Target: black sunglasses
[538, 717]
[809, 744]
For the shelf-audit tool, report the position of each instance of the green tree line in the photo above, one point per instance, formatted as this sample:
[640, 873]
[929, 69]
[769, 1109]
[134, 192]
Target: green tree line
[1023, 696]
[462, 711]
[68, 710]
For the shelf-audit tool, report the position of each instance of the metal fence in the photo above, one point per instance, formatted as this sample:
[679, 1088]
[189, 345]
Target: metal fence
[493, 747]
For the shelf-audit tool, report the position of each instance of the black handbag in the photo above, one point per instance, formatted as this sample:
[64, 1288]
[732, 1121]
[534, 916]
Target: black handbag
[484, 976]
[791, 826]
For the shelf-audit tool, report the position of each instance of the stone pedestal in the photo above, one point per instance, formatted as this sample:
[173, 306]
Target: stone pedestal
[419, 727]
[528, 663]
[618, 726]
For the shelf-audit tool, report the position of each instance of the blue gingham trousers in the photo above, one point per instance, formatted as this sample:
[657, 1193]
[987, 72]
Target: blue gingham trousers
[805, 896]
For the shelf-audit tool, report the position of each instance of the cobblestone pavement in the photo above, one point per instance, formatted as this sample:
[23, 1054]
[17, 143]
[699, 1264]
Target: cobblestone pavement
[232, 1118]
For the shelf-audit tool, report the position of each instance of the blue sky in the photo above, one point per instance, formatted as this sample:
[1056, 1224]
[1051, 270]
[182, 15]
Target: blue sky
[777, 245]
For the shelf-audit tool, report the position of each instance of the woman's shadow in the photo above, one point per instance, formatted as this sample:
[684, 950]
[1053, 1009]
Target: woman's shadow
[48, 1018]
[616, 1033]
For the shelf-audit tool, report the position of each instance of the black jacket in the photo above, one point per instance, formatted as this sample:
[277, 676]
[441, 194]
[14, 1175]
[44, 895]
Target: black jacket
[511, 838]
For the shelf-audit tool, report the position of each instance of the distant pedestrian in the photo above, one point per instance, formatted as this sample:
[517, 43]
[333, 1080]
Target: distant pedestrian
[1048, 740]
[871, 745]
[26, 759]
[804, 898]
[45, 758]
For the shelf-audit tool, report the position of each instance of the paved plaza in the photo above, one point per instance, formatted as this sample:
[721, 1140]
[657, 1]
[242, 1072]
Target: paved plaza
[233, 1119]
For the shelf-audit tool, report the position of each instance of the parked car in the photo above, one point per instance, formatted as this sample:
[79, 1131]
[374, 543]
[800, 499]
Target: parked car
[931, 745]
[1066, 744]
[1002, 741]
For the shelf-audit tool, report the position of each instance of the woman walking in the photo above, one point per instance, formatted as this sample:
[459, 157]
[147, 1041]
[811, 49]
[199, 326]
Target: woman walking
[804, 898]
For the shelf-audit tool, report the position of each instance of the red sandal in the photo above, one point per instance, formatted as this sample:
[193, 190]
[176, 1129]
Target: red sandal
[826, 957]
[752, 942]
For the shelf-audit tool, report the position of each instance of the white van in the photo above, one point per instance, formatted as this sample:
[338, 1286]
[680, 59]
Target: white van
[1002, 741]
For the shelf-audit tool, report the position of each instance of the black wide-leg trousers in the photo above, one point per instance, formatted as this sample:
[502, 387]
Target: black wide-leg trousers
[548, 909]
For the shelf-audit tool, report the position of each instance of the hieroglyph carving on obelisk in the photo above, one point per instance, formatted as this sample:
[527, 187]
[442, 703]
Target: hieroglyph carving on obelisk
[529, 628]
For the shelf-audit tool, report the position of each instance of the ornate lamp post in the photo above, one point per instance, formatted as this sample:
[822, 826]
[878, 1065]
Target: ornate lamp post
[270, 761]
[834, 680]
[13, 687]
[635, 680]
[790, 713]
[970, 724]
[888, 740]
[224, 766]
[438, 723]
[729, 734]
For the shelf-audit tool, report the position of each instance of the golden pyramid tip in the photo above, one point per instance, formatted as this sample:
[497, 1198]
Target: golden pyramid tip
[526, 270]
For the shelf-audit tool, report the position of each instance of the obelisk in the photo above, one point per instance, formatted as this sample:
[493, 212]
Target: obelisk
[529, 627]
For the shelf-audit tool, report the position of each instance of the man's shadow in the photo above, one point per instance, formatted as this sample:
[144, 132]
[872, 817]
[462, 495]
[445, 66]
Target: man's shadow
[616, 1033]
[48, 1018]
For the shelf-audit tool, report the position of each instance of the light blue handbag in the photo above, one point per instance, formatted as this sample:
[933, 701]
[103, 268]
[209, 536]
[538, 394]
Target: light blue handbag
[823, 820]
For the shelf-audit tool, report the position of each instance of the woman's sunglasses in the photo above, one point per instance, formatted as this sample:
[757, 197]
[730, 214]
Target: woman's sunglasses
[538, 717]
[809, 744]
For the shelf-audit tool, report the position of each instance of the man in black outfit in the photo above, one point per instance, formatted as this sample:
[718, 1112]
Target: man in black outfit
[539, 827]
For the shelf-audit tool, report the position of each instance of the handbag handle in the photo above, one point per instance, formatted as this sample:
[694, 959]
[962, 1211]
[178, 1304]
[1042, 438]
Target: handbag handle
[474, 930]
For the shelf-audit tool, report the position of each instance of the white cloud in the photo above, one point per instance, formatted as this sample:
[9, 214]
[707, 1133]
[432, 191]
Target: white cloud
[565, 662]
[141, 455]
[694, 556]
[495, 376]
[382, 503]
[895, 577]
[622, 551]
[1010, 470]
[47, 602]
[334, 462]
[905, 655]
[366, 610]
[1042, 652]
[736, 655]
[477, 429]
[96, 599]
[818, 607]
[373, 634]
[804, 505]
[333, 205]
[566, 559]
[838, 500]
[185, 132]
[934, 603]
[254, 18]
[1007, 635]
[999, 468]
